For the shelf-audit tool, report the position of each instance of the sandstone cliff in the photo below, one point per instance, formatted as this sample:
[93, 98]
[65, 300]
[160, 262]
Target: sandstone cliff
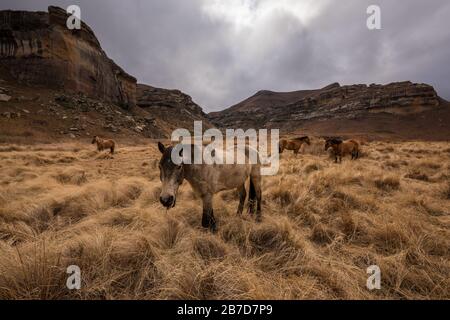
[37, 48]
[289, 110]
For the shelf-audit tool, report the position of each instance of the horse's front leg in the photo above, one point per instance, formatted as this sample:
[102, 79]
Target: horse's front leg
[242, 195]
[208, 220]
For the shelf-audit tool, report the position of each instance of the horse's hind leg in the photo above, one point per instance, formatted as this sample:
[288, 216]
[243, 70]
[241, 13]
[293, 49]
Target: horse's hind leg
[242, 195]
[251, 197]
[255, 195]
[258, 203]
[208, 220]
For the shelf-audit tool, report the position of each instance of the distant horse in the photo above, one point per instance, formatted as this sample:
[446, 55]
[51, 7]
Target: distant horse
[104, 144]
[293, 144]
[342, 148]
[209, 179]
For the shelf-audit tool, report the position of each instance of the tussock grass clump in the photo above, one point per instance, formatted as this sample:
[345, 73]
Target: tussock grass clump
[417, 175]
[390, 239]
[72, 176]
[388, 183]
[209, 248]
[311, 167]
[321, 234]
[268, 238]
[446, 191]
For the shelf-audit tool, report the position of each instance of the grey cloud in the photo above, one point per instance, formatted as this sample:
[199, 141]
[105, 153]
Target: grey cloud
[176, 44]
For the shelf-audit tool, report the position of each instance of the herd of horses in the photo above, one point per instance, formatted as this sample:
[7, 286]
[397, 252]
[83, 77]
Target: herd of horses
[207, 180]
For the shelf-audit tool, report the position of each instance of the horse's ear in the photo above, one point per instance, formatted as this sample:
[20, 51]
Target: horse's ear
[161, 147]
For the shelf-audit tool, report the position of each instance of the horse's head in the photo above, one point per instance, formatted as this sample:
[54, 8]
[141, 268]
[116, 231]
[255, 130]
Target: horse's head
[171, 175]
[306, 140]
[94, 139]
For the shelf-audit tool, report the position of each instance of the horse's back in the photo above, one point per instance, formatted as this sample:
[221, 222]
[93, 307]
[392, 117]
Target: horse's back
[110, 143]
[354, 142]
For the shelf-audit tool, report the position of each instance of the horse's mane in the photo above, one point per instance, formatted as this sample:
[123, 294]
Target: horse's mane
[302, 138]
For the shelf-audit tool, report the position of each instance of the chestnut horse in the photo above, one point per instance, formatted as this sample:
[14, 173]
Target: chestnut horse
[104, 144]
[294, 144]
[342, 148]
[209, 179]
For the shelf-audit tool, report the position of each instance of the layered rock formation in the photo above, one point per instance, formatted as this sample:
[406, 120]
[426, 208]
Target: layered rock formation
[173, 107]
[287, 110]
[37, 48]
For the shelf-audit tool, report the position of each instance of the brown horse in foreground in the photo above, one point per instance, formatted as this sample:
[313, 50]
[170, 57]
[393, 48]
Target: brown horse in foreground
[209, 179]
[294, 144]
[342, 148]
[104, 144]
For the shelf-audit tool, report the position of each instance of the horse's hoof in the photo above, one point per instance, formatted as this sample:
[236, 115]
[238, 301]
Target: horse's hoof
[213, 228]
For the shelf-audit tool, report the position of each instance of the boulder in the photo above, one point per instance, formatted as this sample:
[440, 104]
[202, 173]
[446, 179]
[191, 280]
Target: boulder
[4, 97]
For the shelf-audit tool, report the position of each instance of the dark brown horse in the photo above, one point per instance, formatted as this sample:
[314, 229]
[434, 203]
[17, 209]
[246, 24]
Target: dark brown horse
[293, 144]
[342, 148]
[207, 180]
[104, 144]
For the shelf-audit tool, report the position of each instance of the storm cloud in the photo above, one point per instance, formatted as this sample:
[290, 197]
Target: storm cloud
[221, 52]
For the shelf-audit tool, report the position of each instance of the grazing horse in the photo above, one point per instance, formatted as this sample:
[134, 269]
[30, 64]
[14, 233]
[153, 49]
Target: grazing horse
[294, 144]
[104, 144]
[341, 148]
[209, 179]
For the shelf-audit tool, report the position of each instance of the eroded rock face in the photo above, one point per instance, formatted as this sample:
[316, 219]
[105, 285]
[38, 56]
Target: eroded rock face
[37, 48]
[283, 110]
[173, 107]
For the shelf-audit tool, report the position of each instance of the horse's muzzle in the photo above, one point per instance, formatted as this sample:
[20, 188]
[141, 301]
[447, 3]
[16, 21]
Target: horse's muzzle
[167, 201]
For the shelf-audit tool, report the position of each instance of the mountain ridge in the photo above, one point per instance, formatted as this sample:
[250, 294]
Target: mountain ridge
[336, 105]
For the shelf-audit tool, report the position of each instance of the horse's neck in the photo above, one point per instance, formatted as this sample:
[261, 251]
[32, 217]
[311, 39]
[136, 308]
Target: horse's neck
[194, 174]
[191, 171]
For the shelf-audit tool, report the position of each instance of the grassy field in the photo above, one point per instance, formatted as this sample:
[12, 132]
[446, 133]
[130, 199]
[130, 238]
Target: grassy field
[323, 225]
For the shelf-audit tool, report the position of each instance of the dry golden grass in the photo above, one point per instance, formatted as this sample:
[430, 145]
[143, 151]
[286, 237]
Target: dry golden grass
[323, 225]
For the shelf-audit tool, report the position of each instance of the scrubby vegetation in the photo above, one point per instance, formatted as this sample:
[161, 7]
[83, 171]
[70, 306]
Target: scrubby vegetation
[323, 225]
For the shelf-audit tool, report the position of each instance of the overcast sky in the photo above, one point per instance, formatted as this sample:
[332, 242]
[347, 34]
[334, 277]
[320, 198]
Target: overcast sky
[222, 51]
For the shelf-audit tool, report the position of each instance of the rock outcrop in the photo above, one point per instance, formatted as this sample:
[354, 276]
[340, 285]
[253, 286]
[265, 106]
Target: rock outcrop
[172, 107]
[288, 110]
[37, 48]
